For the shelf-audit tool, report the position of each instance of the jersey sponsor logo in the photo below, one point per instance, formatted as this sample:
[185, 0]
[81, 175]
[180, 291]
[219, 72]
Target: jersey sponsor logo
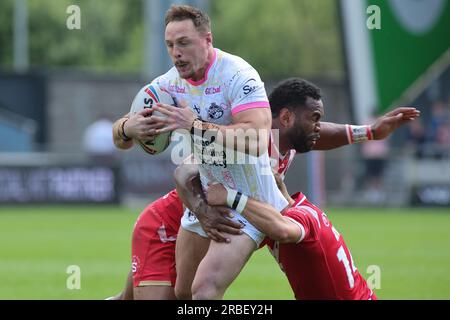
[215, 111]
[213, 90]
[135, 264]
[177, 89]
[250, 86]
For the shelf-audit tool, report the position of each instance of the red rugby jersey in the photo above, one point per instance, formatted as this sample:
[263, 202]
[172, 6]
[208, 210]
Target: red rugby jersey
[320, 265]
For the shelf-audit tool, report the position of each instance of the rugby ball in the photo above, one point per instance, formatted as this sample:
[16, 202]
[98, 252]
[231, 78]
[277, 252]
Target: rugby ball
[146, 98]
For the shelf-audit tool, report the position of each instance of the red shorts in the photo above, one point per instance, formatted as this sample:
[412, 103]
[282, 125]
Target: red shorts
[153, 243]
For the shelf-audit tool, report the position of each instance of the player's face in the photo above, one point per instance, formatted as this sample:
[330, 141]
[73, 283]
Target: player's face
[188, 48]
[305, 132]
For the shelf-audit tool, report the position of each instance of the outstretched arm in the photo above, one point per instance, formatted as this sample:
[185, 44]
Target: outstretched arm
[262, 215]
[333, 135]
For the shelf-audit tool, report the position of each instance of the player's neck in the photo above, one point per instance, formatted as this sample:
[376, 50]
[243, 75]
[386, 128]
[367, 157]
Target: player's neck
[282, 146]
[202, 72]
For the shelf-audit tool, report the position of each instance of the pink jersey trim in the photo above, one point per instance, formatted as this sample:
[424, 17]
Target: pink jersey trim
[251, 105]
[205, 77]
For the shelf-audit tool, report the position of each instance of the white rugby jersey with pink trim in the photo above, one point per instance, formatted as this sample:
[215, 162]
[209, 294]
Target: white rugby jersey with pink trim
[230, 86]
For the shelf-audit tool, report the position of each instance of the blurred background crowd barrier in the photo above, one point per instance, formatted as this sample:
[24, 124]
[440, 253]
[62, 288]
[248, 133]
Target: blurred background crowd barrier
[61, 90]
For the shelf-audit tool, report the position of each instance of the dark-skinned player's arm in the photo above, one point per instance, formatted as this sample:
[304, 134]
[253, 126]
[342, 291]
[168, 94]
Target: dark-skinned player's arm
[190, 191]
[262, 215]
[333, 135]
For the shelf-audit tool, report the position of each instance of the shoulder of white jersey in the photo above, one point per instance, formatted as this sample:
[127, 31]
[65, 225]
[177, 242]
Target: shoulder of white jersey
[234, 65]
[243, 87]
[233, 59]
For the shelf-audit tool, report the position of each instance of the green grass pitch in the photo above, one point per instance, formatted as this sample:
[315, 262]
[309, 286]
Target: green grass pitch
[411, 247]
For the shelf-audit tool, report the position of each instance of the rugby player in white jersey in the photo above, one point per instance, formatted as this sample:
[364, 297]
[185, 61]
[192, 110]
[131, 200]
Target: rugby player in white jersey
[219, 95]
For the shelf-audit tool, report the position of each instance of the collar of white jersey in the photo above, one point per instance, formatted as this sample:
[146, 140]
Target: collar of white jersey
[205, 76]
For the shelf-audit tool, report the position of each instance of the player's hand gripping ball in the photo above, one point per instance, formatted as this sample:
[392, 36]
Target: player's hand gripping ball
[146, 98]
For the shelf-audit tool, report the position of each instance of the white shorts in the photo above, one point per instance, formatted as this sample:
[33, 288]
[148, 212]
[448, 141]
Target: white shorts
[190, 222]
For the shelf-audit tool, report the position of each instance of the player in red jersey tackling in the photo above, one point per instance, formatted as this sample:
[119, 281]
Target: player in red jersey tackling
[309, 250]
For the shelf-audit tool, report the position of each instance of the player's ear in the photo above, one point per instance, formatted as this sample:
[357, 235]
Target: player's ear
[287, 117]
[209, 38]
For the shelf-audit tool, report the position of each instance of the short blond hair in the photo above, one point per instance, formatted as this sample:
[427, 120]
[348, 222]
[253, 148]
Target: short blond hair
[200, 19]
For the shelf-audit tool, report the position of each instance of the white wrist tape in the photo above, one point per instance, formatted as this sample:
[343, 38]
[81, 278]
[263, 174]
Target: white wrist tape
[357, 134]
[231, 195]
[236, 200]
[242, 203]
